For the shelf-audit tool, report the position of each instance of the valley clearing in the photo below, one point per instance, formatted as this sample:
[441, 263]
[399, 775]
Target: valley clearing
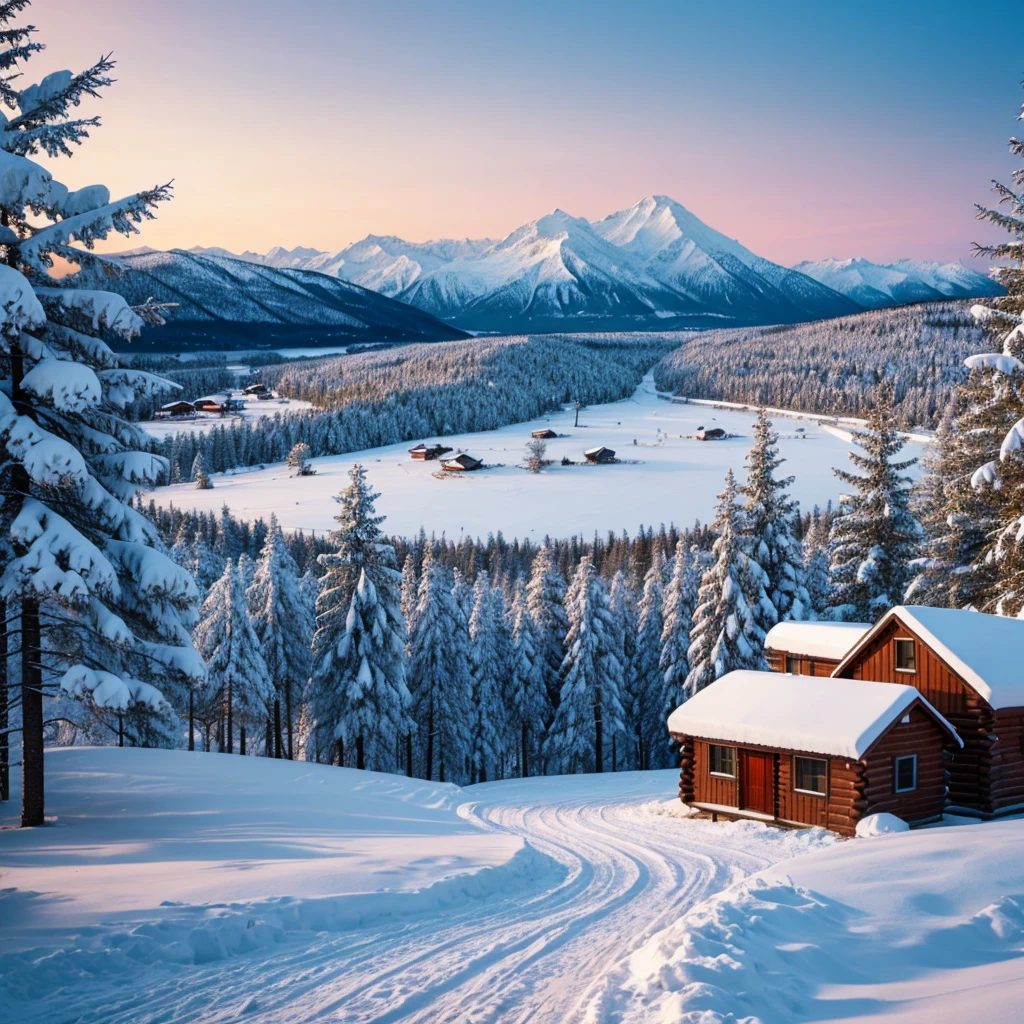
[172, 886]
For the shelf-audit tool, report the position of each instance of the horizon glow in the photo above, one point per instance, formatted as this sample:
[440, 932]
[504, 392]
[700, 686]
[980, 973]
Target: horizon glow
[803, 132]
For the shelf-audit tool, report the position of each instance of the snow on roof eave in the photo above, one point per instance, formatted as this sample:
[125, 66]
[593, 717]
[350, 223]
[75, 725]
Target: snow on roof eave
[831, 640]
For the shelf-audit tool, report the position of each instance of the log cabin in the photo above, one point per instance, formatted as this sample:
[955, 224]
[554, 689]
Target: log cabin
[811, 648]
[710, 434]
[175, 410]
[427, 453]
[545, 435]
[462, 463]
[599, 454]
[970, 666]
[804, 750]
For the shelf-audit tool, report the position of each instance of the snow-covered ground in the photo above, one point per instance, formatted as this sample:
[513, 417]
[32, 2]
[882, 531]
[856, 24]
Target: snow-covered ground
[180, 887]
[664, 478]
[204, 421]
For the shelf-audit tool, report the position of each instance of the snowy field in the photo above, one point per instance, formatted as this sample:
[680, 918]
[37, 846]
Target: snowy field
[179, 887]
[664, 478]
[204, 422]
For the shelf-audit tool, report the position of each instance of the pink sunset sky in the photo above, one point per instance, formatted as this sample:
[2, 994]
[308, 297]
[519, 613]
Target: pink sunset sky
[801, 131]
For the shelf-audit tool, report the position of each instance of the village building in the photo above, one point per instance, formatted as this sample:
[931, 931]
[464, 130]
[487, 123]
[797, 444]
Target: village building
[802, 750]
[811, 648]
[461, 463]
[970, 666]
[255, 389]
[599, 454]
[709, 434]
[545, 435]
[428, 452]
[175, 410]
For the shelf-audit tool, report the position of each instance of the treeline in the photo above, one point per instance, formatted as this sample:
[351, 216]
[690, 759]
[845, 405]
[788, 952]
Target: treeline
[416, 391]
[833, 366]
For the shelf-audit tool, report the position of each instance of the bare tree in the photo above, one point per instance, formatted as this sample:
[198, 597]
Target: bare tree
[536, 449]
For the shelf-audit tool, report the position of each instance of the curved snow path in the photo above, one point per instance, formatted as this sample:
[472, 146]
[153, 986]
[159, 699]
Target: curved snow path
[540, 953]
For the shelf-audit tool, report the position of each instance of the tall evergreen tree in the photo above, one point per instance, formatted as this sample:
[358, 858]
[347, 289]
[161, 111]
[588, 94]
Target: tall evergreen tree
[589, 711]
[545, 597]
[769, 520]
[238, 676]
[623, 606]
[725, 634]
[874, 538]
[104, 613]
[485, 628]
[529, 705]
[644, 679]
[283, 622]
[357, 689]
[679, 606]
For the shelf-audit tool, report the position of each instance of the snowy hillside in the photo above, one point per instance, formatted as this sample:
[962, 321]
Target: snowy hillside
[875, 285]
[664, 478]
[230, 303]
[653, 266]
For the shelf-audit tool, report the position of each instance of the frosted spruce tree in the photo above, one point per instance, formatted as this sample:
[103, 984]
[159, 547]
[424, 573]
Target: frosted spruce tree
[1000, 479]
[679, 605]
[874, 538]
[623, 606]
[768, 526]
[105, 614]
[357, 690]
[238, 678]
[816, 573]
[438, 680]
[644, 674]
[488, 662]
[529, 705]
[283, 623]
[725, 635]
[589, 710]
[545, 598]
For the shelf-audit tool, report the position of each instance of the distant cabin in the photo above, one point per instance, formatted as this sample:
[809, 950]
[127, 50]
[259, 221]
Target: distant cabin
[545, 435]
[210, 405]
[811, 648]
[801, 750]
[428, 452]
[255, 389]
[710, 434]
[599, 454]
[175, 410]
[461, 463]
[968, 665]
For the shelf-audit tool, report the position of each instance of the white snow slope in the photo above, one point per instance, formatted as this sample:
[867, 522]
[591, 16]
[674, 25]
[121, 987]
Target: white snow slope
[663, 479]
[179, 887]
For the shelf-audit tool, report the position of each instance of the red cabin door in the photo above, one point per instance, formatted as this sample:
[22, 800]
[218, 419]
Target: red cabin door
[757, 782]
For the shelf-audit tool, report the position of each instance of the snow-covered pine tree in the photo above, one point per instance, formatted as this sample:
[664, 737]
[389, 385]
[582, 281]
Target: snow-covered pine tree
[622, 603]
[816, 575]
[768, 527]
[485, 663]
[1003, 472]
[645, 678]
[589, 711]
[357, 689]
[875, 537]
[105, 614]
[529, 705]
[545, 598]
[725, 634]
[410, 594]
[283, 623]
[238, 676]
[439, 683]
[679, 605]
[199, 475]
[298, 460]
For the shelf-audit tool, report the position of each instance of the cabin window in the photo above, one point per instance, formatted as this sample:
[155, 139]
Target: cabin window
[792, 664]
[905, 773]
[722, 760]
[809, 775]
[906, 660]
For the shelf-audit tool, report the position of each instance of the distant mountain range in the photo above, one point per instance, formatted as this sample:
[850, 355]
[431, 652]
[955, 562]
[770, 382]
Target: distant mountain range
[231, 303]
[875, 285]
[653, 266]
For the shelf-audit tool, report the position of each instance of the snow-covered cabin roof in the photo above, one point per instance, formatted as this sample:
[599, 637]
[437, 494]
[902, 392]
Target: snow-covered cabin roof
[829, 640]
[599, 448]
[987, 651]
[817, 714]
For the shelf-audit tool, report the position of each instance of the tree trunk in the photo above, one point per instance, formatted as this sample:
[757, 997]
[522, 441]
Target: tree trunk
[191, 718]
[341, 753]
[32, 779]
[430, 743]
[614, 749]
[524, 766]
[5, 739]
[230, 745]
[288, 719]
[241, 739]
[360, 759]
[440, 773]
[277, 727]
[120, 728]
[408, 755]
[268, 743]
[598, 736]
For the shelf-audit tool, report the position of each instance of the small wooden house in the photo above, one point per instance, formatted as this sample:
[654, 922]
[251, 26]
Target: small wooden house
[545, 435]
[802, 750]
[970, 666]
[176, 410]
[461, 463]
[255, 389]
[811, 648]
[210, 404]
[599, 454]
[710, 434]
[428, 452]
